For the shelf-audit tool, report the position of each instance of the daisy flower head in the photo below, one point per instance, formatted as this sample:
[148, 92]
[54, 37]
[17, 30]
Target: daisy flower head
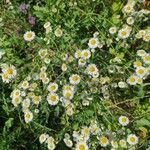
[16, 101]
[128, 8]
[77, 54]
[64, 67]
[58, 32]
[86, 54]
[114, 144]
[68, 142]
[103, 140]
[29, 36]
[123, 143]
[52, 87]
[74, 79]
[146, 59]
[112, 30]
[141, 71]
[93, 43]
[81, 62]
[15, 93]
[52, 98]
[26, 103]
[68, 94]
[42, 138]
[146, 37]
[141, 53]
[36, 99]
[137, 64]
[130, 20]
[82, 146]
[123, 120]
[43, 53]
[132, 139]
[91, 69]
[47, 24]
[68, 87]
[48, 30]
[132, 80]
[25, 85]
[51, 146]
[85, 132]
[9, 70]
[28, 116]
[123, 33]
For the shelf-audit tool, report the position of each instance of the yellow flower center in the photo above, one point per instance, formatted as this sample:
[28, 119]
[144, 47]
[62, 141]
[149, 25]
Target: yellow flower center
[140, 71]
[27, 116]
[93, 42]
[86, 54]
[124, 119]
[74, 78]
[123, 33]
[10, 71]
[29, 35]
[103, 140]
[132, 79]
[68, 94]
[81, 147]
[91, 69]
[53, 98]
[147, 58]
[53, 87]
[132, 139]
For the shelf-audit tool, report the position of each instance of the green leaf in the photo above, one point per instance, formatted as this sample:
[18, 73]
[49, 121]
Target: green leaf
[143, 122]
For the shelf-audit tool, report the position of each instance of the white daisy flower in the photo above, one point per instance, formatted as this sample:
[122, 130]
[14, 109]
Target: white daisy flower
[81, 146]
[91, 69]
[68, 142]
[112, 30]
[15, 93]
[122, 84]
[103, 140]
[64, 67]
[47, 24]
[146, 59]
[28, 116]
[68, 94]
[74, 79]
[68, 87]
[48, 30]
[52, 98]
[132, 139]
[85, 132]
[123, 33]
[123, 120]
[86, 54]
[123, 143]
[9, 70]
[77, 54]
[26, 103]
[58, 32]
[52, 87]
[141, 53]
[128, 8]
[51, 146]
[43, 53]
[29, 36]
[93, 43]
[42, 138]
[146, 37]
[141, 71]
[25, 85]
[16, 101]
[130, 20]
[132, 80]
[81, 62]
